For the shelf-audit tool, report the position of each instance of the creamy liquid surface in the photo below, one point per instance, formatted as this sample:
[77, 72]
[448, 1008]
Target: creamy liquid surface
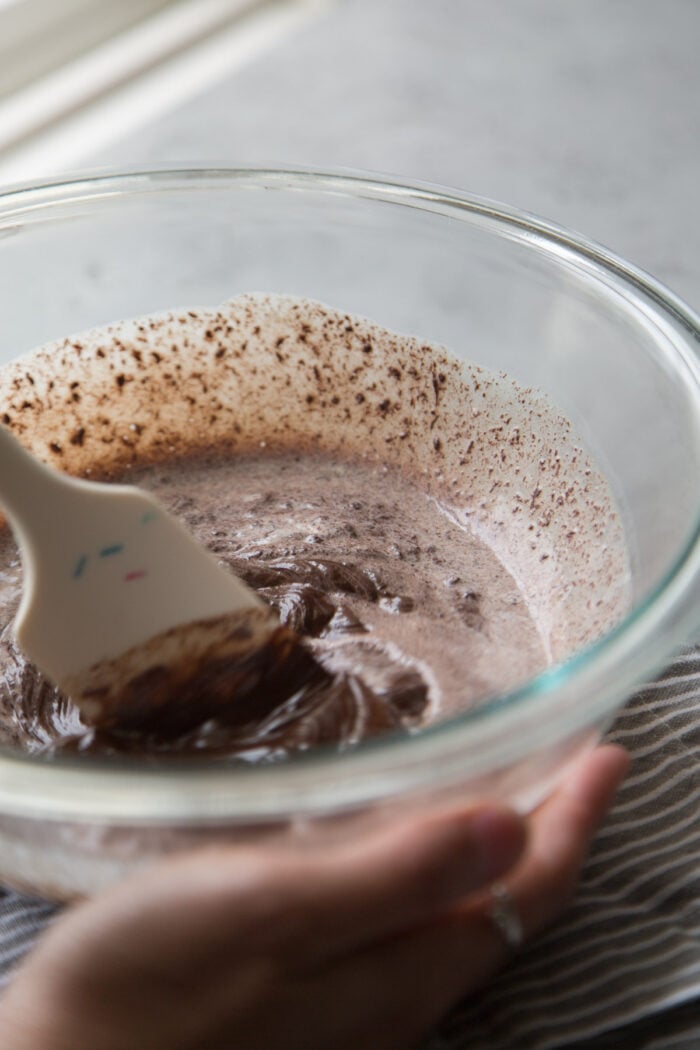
[385, 587]
[433, 530]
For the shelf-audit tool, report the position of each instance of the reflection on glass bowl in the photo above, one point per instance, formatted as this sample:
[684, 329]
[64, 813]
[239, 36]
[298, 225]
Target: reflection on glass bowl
[613, 350]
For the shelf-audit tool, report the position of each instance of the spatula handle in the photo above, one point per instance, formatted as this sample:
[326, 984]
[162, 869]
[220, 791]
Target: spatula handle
[28, 488]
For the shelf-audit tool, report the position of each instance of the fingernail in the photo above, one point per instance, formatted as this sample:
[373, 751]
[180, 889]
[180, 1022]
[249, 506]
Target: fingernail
[499, 836]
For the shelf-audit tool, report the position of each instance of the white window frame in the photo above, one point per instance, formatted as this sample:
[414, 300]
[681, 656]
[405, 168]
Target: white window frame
[101, 66]
[38, 37]
[132, 77]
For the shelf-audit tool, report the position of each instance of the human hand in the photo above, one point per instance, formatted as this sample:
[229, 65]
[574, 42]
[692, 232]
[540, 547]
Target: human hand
[365, 944]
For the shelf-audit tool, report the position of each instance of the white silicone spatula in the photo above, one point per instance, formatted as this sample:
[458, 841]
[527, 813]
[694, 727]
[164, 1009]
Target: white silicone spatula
[106, 569]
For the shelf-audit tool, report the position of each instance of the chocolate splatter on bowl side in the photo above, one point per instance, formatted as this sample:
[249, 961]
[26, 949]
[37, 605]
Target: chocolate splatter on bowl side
[283, 373]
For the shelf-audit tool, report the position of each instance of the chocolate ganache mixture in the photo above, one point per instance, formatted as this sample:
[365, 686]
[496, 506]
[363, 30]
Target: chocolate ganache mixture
[432, 533]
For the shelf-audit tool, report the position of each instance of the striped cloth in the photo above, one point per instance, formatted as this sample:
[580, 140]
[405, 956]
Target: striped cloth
[622, 969]
[629, 948]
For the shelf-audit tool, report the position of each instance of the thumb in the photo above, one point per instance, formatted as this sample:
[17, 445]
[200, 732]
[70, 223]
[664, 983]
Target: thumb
[403, 877]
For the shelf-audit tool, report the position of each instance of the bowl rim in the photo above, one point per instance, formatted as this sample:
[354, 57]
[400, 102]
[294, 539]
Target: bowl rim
[600, 676]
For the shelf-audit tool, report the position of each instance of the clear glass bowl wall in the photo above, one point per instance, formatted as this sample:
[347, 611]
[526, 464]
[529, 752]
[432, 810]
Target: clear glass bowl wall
[616, 351]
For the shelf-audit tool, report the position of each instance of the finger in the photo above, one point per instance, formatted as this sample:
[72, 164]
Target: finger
[389, 996]
[314, 910]
[400, 989]
[392, 994]
[561, 834]
[295, 907]
[385, 997]
[332, 903]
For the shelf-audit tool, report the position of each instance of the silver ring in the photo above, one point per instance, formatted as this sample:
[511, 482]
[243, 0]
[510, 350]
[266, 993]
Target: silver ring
[504, 916]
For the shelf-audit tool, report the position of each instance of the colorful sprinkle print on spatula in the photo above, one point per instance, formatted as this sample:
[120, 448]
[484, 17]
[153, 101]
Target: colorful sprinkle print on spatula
[136, 574]
[113, 549]
[80, 566]
[107, 552]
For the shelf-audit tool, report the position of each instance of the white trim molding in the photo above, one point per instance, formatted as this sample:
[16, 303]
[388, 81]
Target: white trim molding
[130, 79]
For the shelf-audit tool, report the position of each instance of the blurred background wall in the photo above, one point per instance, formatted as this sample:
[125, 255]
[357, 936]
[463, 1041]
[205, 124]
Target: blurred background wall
[584, 111]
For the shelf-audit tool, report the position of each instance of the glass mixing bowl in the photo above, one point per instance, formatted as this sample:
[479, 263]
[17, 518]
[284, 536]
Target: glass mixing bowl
[613, 349]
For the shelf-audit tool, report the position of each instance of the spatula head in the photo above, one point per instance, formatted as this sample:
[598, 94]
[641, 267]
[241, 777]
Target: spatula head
[110, 570]
[235, 668]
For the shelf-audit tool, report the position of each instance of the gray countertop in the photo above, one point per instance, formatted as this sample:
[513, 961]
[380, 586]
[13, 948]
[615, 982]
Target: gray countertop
[587, 113]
